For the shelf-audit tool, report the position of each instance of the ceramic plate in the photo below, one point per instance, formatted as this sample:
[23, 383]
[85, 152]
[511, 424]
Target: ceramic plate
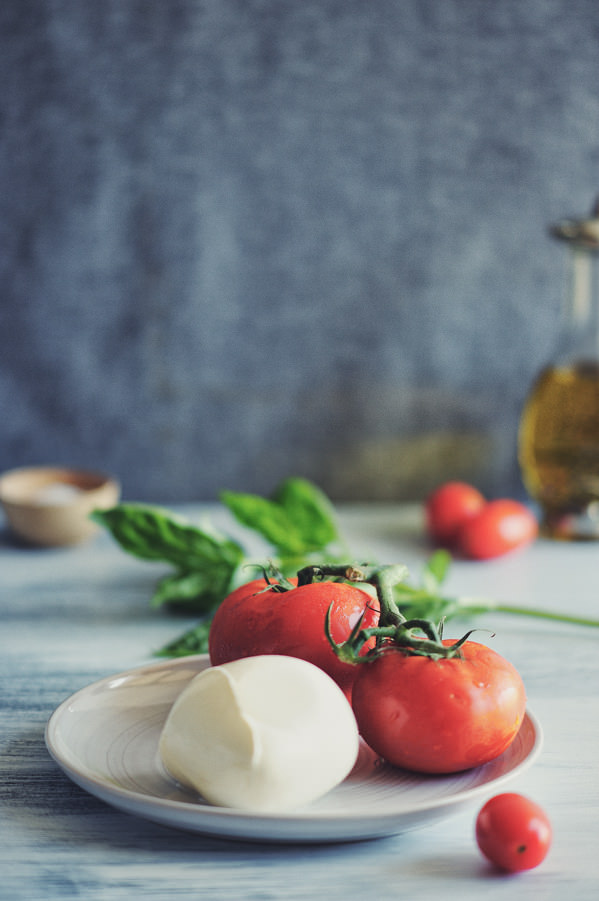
[105, 738]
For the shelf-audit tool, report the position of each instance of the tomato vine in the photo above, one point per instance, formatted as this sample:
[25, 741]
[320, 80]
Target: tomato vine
[418, 636]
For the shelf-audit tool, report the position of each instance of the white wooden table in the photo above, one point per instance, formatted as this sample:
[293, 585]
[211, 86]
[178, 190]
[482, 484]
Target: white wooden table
[69, 617]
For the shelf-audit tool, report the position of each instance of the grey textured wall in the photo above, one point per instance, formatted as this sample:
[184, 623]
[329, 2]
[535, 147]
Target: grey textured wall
[244, 239]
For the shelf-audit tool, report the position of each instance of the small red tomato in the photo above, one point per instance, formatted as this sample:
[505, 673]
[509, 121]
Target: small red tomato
[500, 526]
[448, 507]
[513, 832]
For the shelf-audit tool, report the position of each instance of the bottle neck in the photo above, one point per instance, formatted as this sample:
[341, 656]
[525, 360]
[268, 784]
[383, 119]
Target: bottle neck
[580, 336]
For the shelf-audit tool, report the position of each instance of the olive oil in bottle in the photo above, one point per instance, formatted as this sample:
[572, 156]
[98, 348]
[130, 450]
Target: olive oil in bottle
[559, 444]
[559, 428]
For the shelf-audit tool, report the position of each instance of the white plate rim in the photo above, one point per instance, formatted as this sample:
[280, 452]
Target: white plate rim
[301, 826]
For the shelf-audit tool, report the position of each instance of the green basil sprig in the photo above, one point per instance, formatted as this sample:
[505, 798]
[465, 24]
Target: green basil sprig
[193, 641]
[298, 523]
[427, 601]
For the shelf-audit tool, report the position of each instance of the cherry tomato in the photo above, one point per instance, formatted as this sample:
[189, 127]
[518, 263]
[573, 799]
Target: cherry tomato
[498, 527]
[448, 507]
[439, 716]
[513, 832]
[252, 621]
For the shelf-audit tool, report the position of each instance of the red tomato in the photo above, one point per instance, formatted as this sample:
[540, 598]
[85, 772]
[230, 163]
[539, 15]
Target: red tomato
[500, 526]
[251, 621]
[448, 507]
[439, 716]
[513, 832]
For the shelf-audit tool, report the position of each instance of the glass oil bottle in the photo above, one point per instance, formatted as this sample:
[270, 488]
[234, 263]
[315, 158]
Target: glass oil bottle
[559, 428]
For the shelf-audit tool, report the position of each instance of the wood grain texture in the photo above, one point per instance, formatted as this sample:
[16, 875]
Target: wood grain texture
[69, 617]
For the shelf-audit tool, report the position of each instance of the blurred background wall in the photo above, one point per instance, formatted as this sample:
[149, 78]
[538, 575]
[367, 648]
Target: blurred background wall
[247, 239]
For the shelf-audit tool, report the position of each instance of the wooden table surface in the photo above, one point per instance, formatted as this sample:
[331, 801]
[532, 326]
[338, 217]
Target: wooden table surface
[71, 616]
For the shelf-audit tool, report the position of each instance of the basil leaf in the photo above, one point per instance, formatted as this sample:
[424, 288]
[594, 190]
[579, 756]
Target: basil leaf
[266, 518]
[297, 520]
[154, 534]
[435, 570]
[310, 510]
[194, 641]
[421, 605]
[198, 591]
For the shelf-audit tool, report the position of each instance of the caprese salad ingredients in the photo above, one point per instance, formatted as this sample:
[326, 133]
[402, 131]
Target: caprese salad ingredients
[425, 703]
[439, 715]
[501, 526]
[513, 832]
[299, 524]
[266, 734]
[449, 507]
[459, 518]
[280, 617]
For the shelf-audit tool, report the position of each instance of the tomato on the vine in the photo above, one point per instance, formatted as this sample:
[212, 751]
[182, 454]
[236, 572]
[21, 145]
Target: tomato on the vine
[255, 619]
[513, 832]
[500, 526]
[438, 715]
[449, 507]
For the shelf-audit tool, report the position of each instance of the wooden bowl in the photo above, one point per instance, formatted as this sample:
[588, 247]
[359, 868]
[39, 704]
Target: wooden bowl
[50, 506]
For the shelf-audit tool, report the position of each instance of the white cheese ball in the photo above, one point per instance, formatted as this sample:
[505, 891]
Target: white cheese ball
[267, 733]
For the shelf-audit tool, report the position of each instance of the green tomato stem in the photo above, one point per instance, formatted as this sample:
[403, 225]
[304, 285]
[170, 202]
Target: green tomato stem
[384, 578]
[393, 627]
